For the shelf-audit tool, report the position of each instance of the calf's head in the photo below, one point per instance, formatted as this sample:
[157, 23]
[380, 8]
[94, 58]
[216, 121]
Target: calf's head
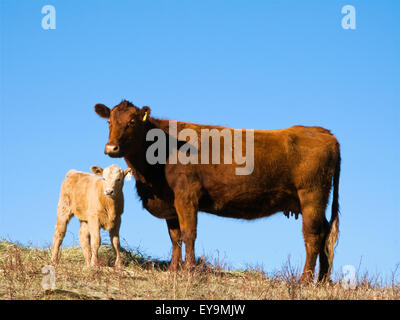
[112, 178]
[126, 127]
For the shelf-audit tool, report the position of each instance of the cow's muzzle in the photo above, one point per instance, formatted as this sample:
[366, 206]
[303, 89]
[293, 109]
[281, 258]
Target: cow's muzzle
[113, 150]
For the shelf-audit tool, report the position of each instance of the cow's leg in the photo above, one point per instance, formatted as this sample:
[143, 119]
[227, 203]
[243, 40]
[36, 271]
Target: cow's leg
[313, 206]
[175, 235]
[94, 231]
[84, 239]
[114, 238]
[63, 217]
[188, 222]
[187, 215]
[323, 258]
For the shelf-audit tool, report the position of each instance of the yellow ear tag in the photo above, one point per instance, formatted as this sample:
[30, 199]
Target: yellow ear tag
[145, 116]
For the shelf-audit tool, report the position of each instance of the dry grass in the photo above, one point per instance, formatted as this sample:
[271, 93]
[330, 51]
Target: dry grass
[144, 278]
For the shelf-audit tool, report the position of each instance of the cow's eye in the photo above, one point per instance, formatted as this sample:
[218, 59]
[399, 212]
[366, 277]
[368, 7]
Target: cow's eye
[131, 122]
[118, 180]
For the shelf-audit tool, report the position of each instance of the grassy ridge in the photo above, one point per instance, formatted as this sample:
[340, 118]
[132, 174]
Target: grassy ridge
[144, 278]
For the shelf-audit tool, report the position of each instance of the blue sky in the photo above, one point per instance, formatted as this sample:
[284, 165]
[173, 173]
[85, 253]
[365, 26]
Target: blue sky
[243, 64]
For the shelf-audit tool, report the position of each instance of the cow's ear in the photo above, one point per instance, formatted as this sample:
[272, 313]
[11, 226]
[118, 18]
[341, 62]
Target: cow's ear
[102, 110]
[144, 113]
[96, 170]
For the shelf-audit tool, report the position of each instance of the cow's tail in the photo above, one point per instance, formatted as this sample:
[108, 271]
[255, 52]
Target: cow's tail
[333, 234]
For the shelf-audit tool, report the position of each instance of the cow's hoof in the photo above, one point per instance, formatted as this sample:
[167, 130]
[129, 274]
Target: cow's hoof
[173, 267]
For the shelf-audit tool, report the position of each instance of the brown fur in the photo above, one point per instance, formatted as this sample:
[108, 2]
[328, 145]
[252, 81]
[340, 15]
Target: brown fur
[294, 170]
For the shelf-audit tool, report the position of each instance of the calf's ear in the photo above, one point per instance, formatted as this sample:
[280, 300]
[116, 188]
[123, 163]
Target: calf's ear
[144, 113]
[96, 170]
[102, 110]
[128, 171]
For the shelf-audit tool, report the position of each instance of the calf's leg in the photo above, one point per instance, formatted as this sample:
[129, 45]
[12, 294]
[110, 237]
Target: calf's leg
[63, 217]
[94, 231]
[84, 238]
[114, 238]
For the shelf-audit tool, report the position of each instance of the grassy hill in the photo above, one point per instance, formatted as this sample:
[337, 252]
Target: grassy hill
[144, 278]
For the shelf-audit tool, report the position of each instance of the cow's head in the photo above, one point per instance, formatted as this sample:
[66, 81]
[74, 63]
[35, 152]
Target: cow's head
[126, 125]
[112, 178]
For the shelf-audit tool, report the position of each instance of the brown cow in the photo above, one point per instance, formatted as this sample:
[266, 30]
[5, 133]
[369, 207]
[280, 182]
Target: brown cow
[294, 170]
[98, 202]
